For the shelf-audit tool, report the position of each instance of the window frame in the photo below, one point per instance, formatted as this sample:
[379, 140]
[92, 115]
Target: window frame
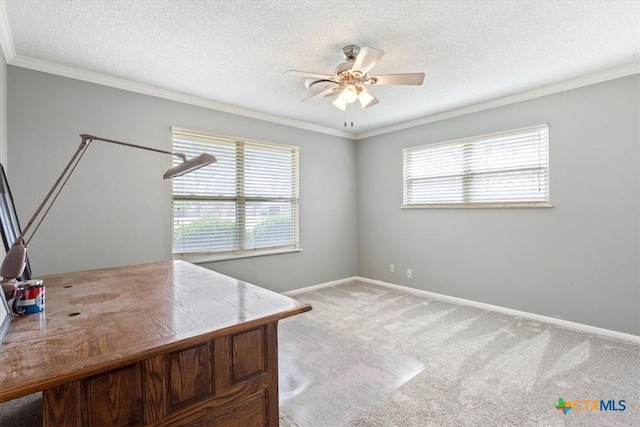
[465, 143]
[240, 202]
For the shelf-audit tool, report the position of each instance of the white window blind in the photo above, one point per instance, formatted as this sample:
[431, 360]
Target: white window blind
[508, 169]
[245, 204]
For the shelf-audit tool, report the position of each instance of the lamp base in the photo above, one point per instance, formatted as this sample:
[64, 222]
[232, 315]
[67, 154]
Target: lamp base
[9, 287]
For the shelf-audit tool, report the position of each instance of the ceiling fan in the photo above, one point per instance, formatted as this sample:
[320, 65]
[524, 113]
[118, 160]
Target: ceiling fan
[351, 78]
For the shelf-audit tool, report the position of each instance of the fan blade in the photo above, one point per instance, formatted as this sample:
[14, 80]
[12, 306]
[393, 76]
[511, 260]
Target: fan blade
[400, 79]
[323, 93]
[366, 99]
[366, 59]
[311, 75]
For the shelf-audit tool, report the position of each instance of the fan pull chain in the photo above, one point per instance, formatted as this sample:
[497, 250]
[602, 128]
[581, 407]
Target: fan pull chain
[348, 115]
[351, 112]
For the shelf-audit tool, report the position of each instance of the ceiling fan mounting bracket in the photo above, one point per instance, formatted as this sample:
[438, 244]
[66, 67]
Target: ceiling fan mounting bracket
[350, 52]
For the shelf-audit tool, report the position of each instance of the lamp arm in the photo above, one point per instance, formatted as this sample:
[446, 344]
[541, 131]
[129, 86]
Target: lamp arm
[15, 259]
[83, 146]
[90, 138]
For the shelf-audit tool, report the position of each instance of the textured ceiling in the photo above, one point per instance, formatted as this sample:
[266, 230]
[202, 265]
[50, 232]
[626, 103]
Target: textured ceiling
[237, 52]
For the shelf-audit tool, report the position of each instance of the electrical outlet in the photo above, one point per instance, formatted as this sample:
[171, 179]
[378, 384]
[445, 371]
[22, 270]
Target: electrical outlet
[409, 273]
[392, 268]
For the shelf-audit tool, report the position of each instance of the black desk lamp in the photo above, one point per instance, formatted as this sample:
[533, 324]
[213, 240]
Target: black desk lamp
[16, 258]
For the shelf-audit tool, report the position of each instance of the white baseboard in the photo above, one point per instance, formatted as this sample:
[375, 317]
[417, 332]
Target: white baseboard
[320, 286]
[538, 317]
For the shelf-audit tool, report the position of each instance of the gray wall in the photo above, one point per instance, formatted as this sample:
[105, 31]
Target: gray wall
[3, 111]
[576, 261]
[116, 209]
[3, 118]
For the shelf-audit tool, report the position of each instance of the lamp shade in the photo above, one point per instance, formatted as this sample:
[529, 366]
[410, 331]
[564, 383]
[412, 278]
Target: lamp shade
[14, 262]
[366, 99]
[349, 94]
[340, 103]
[197, 162]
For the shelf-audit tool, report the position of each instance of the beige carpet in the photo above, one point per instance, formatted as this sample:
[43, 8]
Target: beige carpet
[482, 368]
[327, 378]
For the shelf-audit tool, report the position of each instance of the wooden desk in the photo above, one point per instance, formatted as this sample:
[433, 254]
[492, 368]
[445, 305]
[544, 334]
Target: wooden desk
[166, 343]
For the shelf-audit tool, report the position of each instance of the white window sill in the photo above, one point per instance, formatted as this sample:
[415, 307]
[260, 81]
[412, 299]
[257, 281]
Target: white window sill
[479, 205]
[204, 258]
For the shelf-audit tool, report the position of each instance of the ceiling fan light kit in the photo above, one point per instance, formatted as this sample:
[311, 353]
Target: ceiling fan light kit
[349, 94]
[340, 103]
[350, 78]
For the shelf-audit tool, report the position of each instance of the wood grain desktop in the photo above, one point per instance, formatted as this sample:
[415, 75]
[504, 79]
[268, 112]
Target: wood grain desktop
[166, 343]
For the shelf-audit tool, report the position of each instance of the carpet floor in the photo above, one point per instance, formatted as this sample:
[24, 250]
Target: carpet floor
[481, 368]
[367, 355]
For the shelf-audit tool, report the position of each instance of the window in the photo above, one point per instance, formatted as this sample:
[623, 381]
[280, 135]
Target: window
[509, 169]
[245, 204]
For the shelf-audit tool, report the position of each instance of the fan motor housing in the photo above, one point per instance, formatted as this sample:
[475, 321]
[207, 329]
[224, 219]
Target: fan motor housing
[345, 66]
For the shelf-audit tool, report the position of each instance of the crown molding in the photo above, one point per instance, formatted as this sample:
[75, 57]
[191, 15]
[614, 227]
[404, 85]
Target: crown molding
[599, 77]
[6, 41]
[118, 83]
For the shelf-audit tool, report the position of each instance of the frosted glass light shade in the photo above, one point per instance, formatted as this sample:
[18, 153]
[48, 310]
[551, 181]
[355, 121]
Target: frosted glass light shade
[349, 94]
[365, 98]
[340, 103]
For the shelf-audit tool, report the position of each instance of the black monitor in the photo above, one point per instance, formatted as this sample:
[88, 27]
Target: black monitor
[9, 224]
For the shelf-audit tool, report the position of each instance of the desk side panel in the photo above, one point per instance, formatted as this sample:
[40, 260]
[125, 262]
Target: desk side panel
[62, 405]
[230, 380]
